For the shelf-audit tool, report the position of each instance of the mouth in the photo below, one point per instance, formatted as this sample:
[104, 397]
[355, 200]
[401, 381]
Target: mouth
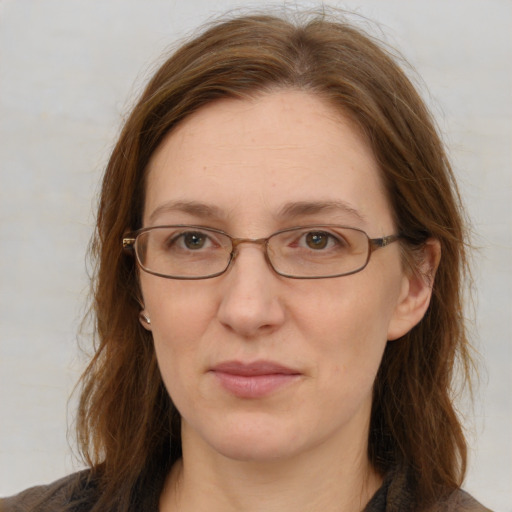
[253, 380]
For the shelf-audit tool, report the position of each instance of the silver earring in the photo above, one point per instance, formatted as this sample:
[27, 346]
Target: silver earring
[145, 318]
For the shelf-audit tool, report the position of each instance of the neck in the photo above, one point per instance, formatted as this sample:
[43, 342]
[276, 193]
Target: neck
[321, 479]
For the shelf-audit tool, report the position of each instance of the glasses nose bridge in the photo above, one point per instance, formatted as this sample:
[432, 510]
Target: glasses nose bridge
[235, 242]
[262, 242]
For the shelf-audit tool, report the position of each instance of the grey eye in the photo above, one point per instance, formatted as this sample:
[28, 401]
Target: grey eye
[194, 240]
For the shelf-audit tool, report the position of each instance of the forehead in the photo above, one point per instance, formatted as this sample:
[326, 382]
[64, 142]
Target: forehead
[252, 157]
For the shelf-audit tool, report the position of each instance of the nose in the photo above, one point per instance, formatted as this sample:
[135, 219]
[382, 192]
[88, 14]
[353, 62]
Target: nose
[251, 304]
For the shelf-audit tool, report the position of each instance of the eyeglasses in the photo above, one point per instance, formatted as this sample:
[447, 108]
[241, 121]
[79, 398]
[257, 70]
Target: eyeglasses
[308, 252]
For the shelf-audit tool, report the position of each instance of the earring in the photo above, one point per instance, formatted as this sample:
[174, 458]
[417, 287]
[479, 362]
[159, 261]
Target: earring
[145, 318]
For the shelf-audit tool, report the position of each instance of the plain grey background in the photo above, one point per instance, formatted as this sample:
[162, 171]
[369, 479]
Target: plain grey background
[69, 71]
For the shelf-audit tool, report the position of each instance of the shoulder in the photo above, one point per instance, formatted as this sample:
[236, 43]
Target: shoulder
[55, 497]
[396, 495]
[461, 501]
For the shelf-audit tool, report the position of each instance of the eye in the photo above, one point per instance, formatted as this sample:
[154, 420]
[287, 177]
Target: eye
[181, 242]
[318, 240]
[194, 240]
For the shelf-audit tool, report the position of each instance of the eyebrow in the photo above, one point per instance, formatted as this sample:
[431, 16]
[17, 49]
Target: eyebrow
[287, 211]
[191, 207]
[304, 208]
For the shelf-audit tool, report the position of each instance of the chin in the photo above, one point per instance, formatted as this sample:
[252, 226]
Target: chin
[252, 440]
[256, 450]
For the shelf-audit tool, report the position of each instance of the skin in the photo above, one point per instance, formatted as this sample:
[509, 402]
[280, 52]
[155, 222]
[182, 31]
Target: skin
[303, 446]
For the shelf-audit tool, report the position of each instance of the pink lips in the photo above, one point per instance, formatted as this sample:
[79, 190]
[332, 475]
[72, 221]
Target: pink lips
[253, 380]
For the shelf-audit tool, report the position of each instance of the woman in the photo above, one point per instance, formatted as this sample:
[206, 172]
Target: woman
[280, 254]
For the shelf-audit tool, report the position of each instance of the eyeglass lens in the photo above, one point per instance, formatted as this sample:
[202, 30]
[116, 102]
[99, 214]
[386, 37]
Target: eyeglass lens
[192, 253]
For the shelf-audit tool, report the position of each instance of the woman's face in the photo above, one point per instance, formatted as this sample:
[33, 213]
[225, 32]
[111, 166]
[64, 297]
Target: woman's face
[261, 366]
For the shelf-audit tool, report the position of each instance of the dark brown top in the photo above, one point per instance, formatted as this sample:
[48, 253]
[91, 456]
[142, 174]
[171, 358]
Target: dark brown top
[58, 496]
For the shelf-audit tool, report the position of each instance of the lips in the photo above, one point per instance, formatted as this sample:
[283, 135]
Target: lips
[253, 380]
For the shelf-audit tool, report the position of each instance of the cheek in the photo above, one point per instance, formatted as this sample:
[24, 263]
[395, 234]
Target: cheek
[177, 308]
[348, 331]
[179, 318]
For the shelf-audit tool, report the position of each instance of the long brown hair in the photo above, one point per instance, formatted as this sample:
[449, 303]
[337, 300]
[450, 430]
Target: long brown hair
[128, 428]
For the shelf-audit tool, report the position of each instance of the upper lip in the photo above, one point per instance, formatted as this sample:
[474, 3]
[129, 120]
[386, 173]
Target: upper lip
[254, 368]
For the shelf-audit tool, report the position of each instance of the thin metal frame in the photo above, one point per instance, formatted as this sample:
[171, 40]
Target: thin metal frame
[130, 239]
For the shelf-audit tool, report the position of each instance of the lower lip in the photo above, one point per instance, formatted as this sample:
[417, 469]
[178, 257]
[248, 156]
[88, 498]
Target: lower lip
[253, 386]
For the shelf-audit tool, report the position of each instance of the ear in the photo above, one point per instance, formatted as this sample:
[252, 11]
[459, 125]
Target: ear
[416, 291]
[145, 320]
